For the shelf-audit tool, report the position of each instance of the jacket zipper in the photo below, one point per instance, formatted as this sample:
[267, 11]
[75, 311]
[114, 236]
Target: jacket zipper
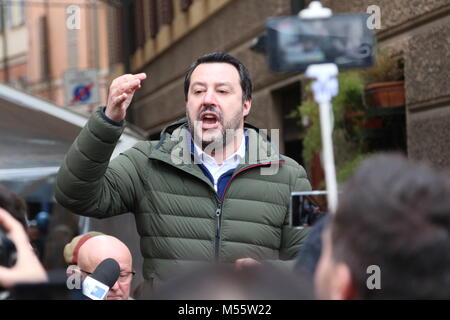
[218, 225]
[219, 207]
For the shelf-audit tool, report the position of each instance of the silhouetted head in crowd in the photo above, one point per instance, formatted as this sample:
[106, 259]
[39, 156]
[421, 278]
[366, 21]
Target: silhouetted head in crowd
[309, 254]
[225, 282]
[395, 215]
[14, 204]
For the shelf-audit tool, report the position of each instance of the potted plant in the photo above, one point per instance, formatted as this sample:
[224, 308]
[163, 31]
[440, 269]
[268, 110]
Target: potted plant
[384, 82]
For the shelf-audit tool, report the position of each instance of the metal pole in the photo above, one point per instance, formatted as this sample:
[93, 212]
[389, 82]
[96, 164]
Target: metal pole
[324, 88]
[95, 42]
[95, 33]
[328, 155]
[126, 45]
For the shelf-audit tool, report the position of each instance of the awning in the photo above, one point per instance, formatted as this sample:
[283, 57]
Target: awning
[34, 137]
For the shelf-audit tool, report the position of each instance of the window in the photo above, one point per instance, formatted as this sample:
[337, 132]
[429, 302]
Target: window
[14, 13]
[21, 13]
[9, 15]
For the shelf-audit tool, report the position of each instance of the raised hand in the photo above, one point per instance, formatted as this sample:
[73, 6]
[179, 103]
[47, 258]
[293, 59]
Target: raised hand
[121, 93]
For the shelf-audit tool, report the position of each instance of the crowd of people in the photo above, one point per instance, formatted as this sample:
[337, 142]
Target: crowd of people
[396, 219]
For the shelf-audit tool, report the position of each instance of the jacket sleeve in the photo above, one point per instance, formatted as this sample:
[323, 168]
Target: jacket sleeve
[293, 238]
[85, 184]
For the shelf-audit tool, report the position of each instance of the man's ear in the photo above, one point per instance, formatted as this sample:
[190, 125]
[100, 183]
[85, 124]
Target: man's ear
[246, 107]
[343, 287]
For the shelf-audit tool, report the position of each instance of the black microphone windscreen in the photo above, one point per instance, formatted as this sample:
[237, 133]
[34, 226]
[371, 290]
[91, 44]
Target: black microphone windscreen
[107, 272]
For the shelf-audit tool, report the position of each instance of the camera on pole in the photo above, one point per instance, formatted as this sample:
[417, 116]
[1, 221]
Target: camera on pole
[318, 43]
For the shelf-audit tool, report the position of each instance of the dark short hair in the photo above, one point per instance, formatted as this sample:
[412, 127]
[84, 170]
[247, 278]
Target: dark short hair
[14, 204]
[244, 75]
[395, 214]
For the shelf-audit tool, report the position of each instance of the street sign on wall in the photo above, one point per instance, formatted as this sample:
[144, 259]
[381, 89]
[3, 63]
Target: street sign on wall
[81, 87]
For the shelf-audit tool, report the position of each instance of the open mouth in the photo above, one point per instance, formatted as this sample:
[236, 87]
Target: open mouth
[209, 120]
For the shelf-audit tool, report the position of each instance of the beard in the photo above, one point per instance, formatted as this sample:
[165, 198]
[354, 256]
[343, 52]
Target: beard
[214, 138]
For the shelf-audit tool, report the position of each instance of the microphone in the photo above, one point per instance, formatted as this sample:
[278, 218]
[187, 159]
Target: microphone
[97, 285]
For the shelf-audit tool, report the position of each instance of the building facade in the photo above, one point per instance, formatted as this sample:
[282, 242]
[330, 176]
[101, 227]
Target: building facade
[66, 35]
[168, 35]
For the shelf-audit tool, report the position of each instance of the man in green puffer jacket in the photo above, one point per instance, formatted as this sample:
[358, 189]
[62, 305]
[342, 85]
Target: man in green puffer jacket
[212, 189]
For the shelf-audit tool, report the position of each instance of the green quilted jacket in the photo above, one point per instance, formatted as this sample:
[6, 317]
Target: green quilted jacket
[179, 216]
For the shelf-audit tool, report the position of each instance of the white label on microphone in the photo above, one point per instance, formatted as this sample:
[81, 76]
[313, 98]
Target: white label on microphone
[94, 289]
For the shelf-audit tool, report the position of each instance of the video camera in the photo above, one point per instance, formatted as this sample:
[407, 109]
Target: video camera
[8, 253]
[307, 207]
[292, 44]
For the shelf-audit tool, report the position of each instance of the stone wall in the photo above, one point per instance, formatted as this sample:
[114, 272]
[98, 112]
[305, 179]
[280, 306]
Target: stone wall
[427, 66]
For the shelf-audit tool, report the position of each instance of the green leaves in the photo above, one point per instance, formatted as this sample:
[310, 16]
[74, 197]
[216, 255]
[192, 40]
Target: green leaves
[348, 142]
